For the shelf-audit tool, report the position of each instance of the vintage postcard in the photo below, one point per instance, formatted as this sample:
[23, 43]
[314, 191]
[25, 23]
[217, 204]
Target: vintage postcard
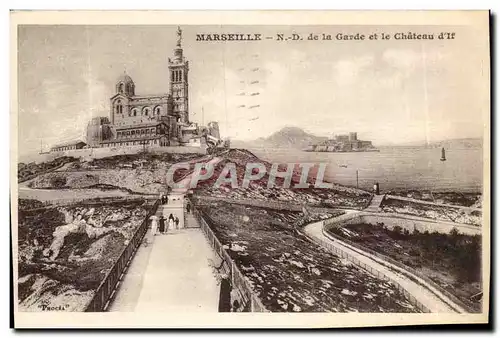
[250, 169]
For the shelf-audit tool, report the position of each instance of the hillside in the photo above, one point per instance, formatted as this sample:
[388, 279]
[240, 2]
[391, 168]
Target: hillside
[288, 137]
[463, 143]
[459, 143]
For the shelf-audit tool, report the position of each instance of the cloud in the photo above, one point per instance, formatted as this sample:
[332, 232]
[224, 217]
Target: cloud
[403, 59]
[347, 71]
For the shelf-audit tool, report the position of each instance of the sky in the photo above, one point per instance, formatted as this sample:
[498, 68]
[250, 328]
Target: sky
[389, 91]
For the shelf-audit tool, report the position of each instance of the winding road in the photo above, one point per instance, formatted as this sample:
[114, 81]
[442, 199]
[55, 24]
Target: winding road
[426, 294]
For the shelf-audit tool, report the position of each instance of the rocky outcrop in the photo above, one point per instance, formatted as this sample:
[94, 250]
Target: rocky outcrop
[65, 252]
[40, 293]
[135, 180]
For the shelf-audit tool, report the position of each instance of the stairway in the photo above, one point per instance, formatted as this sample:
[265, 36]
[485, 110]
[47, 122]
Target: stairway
[375, 203]
[191, 221]
[175, 206]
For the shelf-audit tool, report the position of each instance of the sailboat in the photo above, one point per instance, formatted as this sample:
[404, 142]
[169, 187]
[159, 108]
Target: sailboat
[443, 154]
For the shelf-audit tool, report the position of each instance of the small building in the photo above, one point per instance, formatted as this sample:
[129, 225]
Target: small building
[72, 145]
[98, 130]
[152, 133]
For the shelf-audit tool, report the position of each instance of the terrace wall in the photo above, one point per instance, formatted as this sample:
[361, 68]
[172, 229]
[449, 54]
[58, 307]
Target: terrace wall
[90, 202]
[269, 204]
[287, 206]
[92, 153]
[407, 199]
[30, 177]
[409, 222]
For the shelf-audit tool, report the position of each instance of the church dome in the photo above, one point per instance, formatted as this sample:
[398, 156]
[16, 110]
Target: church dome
[125, 79]
[125, 85]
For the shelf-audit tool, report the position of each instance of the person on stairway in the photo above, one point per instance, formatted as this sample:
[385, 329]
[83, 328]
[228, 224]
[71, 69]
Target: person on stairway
[154, 225]
[171, 221]
[162, 225]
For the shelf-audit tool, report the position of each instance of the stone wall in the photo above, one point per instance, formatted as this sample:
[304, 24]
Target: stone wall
[410, 223]
[407, 199]
[93, 153]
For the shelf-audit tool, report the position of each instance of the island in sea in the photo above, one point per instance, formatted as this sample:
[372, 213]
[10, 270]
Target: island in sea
[342, 143]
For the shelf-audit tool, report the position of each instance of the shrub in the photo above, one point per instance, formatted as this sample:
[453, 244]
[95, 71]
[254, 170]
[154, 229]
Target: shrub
[58, 181]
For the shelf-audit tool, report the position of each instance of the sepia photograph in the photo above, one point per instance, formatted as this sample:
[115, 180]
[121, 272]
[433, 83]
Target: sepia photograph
[202, 164]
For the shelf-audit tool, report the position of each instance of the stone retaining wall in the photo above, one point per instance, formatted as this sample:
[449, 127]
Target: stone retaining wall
[407, 199]
[409, 223]
[92, 153]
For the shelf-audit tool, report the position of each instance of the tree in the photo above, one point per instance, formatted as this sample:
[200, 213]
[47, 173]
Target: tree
[58, 181]
[397, 231]
[454, 232]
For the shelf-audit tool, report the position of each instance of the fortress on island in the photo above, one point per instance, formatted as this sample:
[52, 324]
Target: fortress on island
[149, 120]
[343, 143]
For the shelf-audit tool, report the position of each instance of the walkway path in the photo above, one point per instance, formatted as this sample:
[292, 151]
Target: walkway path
[178, 277]
[375, 203]
[172, 273]
[423, 294]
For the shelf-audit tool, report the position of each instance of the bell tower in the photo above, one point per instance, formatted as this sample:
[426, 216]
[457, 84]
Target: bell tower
[178, 68]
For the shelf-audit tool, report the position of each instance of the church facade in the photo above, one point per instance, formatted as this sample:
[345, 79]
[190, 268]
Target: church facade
[153, 120]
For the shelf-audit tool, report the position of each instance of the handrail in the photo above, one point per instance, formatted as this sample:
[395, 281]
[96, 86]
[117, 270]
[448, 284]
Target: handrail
[107, 288]
[236, 275]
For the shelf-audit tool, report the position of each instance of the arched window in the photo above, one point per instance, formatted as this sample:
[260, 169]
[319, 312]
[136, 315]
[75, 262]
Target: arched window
[120, 88]
[157, 110]
[119, 107]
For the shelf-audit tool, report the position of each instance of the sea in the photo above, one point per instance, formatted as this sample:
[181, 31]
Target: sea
[394, 168]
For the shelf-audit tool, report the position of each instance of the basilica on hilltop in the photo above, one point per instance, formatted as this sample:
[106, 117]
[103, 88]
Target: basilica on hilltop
[152, 120]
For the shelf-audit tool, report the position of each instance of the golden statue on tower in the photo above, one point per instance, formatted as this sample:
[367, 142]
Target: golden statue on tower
[179, 36]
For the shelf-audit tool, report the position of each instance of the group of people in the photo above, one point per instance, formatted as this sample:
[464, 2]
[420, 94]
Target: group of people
[161, 225]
